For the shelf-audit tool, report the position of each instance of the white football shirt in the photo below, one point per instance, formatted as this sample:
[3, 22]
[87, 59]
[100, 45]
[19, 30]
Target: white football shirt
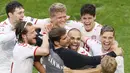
[23, 56]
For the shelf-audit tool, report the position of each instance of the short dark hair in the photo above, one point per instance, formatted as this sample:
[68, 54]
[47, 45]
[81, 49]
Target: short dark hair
[107, 28]
[11, 6]
[88, 9]
[21, 29]
[56, 33]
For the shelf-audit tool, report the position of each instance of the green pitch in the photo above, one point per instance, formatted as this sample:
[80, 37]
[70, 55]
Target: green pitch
[112, 12]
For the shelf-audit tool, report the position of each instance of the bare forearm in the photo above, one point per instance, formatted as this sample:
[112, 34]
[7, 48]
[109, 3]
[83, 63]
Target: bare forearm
[38, 65]
[94, 70]
[45, 45]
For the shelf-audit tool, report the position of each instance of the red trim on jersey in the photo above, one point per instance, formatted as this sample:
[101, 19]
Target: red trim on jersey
[1, 33]
[2, 26]
[23, 44]
[44, 33]
[5, 23]
[12, 67]
[85, 45]
[83, 53]
[99, 25]
[35, 50]
[36, 21]
[86, 40]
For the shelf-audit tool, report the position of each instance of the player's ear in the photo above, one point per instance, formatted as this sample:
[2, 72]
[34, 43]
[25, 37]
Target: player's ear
[23, 36]
[56, 43]
[95, 17]
[10, 14]
[67, 17]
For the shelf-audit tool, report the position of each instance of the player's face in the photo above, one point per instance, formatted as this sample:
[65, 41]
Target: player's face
[88, 21]
[59, 19]
[17, 15]
[64, 41]
[31, 35]
[107, 39]
[75, 39]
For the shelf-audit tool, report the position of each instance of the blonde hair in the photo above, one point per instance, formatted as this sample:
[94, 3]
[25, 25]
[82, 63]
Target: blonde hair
[108, 64]
[57, 7]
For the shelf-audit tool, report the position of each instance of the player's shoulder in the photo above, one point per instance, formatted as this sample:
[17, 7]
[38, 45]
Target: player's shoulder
[20, 45]
[98, 25]
[74, 24]
[4, 23]
[44, 21]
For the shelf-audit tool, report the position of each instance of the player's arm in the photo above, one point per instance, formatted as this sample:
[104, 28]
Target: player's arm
[38, 65]
[43, 27]
[4, 37]
[91, 70]
[43, 50]
[39, 23]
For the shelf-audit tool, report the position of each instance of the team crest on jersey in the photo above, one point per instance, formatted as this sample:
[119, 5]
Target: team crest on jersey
[1, 29]
[93, 37]
[32, 19]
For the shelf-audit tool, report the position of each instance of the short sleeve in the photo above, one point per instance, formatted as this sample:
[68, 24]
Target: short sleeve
[29, 51]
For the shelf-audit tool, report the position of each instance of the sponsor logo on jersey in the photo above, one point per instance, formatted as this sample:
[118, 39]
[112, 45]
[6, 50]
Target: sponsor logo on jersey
[54, 63]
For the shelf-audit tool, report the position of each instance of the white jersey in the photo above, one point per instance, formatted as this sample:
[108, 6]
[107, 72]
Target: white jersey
[7, 43]
[83, 51]
[93, 46]
[96, 48]
[93, 34]
[120, 64]
[23, 55]
[68, 25]
[73, 24]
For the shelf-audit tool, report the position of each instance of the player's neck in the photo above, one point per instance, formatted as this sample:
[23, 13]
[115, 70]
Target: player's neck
[13, 23]
[57, 46]
[78, 49]
[105, 51]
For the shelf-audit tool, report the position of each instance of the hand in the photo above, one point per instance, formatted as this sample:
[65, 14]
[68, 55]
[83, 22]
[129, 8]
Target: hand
[114, 45]
[118, 51]
[47, 28]
[67, 70]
